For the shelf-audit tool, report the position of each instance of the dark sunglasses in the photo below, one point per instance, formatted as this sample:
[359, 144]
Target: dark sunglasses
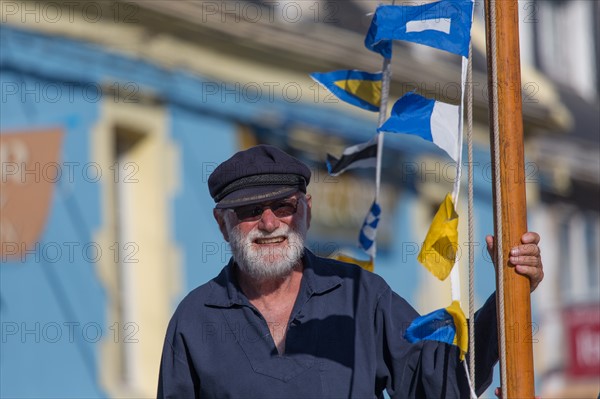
[281, 209]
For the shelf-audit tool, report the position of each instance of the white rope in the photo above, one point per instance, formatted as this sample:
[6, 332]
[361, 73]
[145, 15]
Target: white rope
[385, 92]
[470, 223]
[471, 383]
[498, 196]
[455, 273]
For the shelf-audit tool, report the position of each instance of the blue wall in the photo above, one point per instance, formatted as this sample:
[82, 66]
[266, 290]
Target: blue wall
[204, 142]
[51, 302]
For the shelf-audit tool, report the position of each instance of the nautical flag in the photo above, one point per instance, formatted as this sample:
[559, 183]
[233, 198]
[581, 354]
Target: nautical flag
[444, 24]
[362, 155]
[438, 253]
[365, 264]
[431, 120]
[358, 88]
[383, 47]
[368, 232]
[447, 325]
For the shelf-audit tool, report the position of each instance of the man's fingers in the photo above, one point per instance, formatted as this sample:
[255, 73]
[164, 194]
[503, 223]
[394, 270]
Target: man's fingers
[525, 261]
[530, 238]
[525, 257]
[489, 240]
[528, 245]
[525, 250]
[529, 271]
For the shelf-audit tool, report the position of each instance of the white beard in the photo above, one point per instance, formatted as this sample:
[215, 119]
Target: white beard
[267, 262]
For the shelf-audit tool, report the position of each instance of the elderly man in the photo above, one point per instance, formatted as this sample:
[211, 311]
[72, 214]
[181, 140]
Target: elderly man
[280, 322]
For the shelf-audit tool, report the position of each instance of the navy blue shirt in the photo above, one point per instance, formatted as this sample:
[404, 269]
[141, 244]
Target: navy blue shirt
[344, 339]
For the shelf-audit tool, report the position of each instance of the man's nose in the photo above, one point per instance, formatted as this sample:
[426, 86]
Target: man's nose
[268, 221]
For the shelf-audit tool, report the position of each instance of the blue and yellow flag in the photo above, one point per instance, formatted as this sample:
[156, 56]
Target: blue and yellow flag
[358, 88]
[447, 325]
[438, 253]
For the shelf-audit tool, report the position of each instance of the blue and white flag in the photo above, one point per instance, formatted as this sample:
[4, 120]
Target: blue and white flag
[368, 232]
[431, 120]
[362, 155]
[383, 47]
[444, 24]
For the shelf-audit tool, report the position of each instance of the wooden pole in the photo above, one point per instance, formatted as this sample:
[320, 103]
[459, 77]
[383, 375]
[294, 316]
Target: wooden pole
[519, 378]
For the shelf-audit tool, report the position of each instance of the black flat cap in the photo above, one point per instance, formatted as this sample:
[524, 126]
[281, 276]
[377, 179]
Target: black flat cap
[259, 174]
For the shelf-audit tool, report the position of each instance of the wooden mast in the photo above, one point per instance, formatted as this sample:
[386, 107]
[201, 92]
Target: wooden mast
[519, 376]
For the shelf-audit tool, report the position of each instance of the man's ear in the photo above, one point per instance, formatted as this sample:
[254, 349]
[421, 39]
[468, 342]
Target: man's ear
[218, 214]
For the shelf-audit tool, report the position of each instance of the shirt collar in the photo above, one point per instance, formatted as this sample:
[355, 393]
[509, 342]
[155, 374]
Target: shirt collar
[317, 279]
[319, 276]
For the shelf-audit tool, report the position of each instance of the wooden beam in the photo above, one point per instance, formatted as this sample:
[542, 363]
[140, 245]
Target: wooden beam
[517, 307]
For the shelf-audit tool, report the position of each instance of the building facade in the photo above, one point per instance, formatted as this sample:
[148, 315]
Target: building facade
[114, 114]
